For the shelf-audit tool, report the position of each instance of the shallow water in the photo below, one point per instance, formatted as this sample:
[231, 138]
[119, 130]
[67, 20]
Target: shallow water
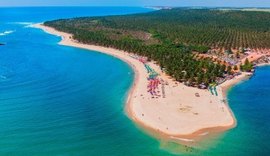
[250, 102]
[58, 100]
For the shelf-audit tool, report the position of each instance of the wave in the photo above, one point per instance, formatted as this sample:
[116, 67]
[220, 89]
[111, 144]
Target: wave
[6, 33]
[22, 23]
[3, 78]
[29, 26]
[205, 133]
[26, 24]
[182, 139]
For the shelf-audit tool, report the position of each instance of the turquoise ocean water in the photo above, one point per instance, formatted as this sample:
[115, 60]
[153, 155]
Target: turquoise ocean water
[57, 100]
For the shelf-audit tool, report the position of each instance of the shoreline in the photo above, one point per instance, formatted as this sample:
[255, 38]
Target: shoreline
[263, 64]
[180, 115]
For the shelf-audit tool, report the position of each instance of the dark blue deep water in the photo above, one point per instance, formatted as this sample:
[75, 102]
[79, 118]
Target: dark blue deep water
[57, 100]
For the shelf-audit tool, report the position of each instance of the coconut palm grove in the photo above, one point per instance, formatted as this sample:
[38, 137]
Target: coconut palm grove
[180, 40]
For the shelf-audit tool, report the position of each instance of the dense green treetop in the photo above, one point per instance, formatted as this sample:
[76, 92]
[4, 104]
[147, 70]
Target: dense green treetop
[212, 28]
[170, 36]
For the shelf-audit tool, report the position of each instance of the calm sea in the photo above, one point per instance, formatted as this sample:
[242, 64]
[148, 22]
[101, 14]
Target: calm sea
[58, 100]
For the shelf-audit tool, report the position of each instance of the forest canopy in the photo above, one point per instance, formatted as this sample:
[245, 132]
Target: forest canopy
[170, 36]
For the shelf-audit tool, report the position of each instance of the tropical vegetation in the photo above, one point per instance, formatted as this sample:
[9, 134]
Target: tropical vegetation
[173, 38]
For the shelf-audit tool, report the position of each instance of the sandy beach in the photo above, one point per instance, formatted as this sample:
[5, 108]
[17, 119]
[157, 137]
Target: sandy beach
[180, 114]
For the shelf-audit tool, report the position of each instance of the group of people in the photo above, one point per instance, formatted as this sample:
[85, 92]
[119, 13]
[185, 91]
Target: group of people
[213, 89]
[153, 87]
[153, 80]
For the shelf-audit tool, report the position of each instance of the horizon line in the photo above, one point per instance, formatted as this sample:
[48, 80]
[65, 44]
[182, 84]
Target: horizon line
[7, 6]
